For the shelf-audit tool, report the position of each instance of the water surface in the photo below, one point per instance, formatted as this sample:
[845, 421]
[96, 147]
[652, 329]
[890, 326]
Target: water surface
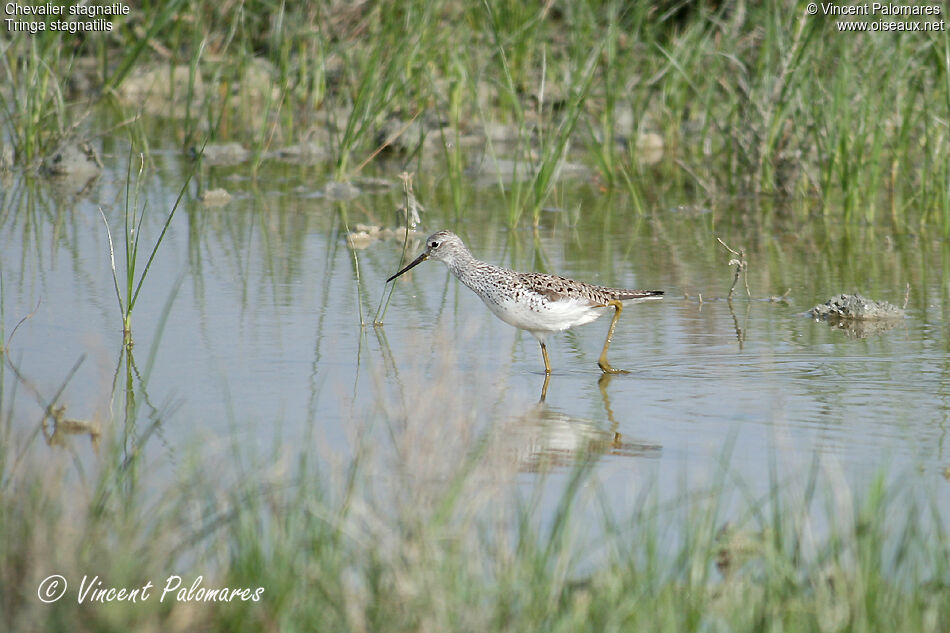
[270, 342]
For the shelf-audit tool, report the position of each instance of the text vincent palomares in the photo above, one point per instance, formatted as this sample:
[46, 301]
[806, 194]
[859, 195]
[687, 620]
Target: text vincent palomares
[92, 590]
[878, 8]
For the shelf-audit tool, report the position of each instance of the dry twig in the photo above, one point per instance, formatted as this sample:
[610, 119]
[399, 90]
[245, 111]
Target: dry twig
[741, 264]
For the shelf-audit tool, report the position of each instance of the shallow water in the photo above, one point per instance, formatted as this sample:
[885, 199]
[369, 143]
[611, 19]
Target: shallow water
[264, 347]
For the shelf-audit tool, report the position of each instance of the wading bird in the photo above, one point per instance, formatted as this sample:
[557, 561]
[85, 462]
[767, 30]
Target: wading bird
[539, 303]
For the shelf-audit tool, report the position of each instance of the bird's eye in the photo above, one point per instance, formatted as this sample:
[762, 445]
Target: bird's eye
[434, 244]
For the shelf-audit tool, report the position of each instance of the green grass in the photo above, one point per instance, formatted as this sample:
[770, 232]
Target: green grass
[128, 294]
[755, 100]
[32, 104]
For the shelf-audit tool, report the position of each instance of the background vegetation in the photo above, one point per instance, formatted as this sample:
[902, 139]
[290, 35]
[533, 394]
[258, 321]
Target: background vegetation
[739, 98]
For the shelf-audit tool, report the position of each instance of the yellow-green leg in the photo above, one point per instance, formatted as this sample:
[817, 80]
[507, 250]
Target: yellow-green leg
[604, 365]
[618, 436]
[547, 363]
[544, 387]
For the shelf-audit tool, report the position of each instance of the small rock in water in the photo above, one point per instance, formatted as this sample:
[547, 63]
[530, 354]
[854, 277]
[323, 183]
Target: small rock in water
[306, 152]
[491, 170]
[856, 308]
[359, 239]
[373, 184]
[340, 191]
[215, 197]
[224, 154]
[75, 159]
[366, 234]
[163, 90]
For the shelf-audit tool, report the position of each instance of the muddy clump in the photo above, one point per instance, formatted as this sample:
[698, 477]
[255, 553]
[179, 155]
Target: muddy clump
[857, 316]
[856, 308]
[73, 159]
[367, 234]
[222, 154]
[215, 197]
[306, 153]
[163, 90]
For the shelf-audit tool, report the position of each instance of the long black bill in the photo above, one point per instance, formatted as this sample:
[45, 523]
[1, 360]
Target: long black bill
[416, 262]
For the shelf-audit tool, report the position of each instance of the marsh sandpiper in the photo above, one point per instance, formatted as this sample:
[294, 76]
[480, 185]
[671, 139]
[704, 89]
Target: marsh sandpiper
[537, 302]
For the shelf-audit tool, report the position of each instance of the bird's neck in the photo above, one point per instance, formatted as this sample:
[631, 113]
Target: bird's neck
[463, 266]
